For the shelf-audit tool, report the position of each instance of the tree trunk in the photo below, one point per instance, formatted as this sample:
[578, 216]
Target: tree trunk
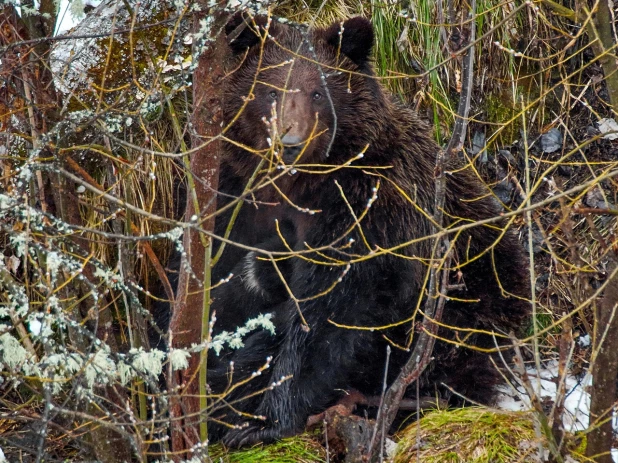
[605, 49]
[189, 322]
[604, 371]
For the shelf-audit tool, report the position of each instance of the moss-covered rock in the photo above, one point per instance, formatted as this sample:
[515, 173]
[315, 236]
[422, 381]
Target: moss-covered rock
[469, 435]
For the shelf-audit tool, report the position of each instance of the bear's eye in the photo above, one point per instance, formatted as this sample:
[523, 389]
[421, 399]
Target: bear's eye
[273, 95]
[317, 96]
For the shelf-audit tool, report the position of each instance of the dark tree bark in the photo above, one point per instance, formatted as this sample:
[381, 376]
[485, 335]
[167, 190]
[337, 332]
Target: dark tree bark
[189, 319]
[604, 372]
[605, 49]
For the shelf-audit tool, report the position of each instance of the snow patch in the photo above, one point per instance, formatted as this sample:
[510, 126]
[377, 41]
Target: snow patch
[576, 404]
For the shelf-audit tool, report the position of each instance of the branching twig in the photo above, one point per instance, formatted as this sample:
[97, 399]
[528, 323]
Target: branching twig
[434, 304]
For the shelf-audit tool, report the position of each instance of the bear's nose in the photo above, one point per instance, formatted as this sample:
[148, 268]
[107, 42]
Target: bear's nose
[292, 147]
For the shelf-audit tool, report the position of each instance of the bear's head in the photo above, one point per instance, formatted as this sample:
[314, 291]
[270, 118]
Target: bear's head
[310, 92]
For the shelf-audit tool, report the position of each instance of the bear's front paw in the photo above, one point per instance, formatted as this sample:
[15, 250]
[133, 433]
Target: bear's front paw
[252, 434]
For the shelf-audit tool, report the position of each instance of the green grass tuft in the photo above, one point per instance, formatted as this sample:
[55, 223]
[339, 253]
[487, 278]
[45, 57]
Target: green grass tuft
[469, 435]
[299, 449]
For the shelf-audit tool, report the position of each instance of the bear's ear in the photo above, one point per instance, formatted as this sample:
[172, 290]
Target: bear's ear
[242, 33]
[356, 41]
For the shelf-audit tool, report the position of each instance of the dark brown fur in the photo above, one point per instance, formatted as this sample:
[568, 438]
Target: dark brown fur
[399, 154]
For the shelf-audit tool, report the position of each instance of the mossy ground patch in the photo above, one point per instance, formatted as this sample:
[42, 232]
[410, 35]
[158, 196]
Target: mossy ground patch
[470, 435]
[299, 449]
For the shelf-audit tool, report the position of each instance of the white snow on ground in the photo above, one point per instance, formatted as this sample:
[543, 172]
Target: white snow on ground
[576, 404]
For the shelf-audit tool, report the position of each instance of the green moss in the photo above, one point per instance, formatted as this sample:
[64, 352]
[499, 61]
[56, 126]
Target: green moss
[469, 435]
[543, 320]
[299, 449]
[577, 447]
[500, 109]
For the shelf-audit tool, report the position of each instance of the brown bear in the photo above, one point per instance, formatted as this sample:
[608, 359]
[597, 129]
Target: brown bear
[345, 178]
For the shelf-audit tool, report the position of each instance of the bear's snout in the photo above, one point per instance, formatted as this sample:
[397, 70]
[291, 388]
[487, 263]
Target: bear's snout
[292, 147]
